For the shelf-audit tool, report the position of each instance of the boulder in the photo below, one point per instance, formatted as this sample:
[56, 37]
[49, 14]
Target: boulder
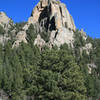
[39, 42]
[3, 95]
[20, 37]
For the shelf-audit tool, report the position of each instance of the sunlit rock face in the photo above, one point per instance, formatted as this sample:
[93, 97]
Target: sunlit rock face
[3, 18]
[20, 37]
[52, 14]
[5, 24]
[5, 21]
[55, 18]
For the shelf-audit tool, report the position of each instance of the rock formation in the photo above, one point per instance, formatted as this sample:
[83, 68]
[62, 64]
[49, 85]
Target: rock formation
[51, 15]
[39, 42]
[20, 37]
[4, 39]
[3, 18]
[5, 21]
[88, 47]
[3, 95]
[55, 18]
[83, 34]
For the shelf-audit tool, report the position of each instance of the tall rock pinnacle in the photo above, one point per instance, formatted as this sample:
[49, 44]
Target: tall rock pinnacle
[56, 19]
[52, 14]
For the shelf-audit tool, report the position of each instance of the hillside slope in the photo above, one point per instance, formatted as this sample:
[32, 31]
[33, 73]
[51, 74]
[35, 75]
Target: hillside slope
[47, 57]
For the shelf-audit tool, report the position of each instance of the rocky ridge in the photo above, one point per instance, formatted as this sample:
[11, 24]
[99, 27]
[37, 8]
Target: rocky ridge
[51, 15]
[55, 18]
[4, 20]
[5, 23]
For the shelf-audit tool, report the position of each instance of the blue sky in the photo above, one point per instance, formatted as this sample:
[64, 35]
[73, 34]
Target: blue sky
[86, 13]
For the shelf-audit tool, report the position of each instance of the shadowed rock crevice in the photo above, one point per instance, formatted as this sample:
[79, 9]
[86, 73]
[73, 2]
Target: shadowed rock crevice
[45, 21]
[44, 14]
[52, 24]
[44, 18]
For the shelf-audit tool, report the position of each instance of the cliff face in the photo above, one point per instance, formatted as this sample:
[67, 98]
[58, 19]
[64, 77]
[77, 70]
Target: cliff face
[51, 15]
[55, 18]
[4, 20]
[5, 24]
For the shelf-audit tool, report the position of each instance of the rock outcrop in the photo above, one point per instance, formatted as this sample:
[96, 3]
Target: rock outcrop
[52, 14]
[3, 18]
[63, 35]
[3, 95]
[83, 34]
[39, 42]
[4, 39]
[56, 19]
[88, 47]
[5, 24]
[5, 21]
[91, 66]
[20, 37]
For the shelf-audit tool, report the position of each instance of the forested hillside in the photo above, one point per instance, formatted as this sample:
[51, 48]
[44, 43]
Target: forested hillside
[58, 73]
[47, 57]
